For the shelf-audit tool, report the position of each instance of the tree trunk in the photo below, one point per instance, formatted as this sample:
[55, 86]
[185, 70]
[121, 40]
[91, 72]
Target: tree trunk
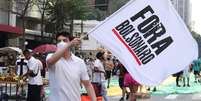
[42, 25]
[71, 27]
[23, 33]
[82, 29]
[23, 23]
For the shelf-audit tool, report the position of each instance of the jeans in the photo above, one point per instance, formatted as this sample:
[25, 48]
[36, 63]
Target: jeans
[104, 90]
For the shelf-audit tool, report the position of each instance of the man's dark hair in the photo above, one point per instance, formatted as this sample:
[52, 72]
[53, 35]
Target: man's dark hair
[99, 54]
[65, 34]
[26, 51]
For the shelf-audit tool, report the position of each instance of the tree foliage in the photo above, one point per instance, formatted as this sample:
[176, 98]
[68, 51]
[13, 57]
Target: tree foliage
[62, 12]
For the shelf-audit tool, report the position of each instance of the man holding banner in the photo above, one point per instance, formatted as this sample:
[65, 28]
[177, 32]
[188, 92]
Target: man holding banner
[149, 38]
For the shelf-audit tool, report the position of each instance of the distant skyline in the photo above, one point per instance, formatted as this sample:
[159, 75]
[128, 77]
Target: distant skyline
[196, 15]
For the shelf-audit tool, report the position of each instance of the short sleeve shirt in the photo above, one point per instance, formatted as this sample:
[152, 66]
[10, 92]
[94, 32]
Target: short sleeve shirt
[98, 77]
[64, 77]
[35, 65]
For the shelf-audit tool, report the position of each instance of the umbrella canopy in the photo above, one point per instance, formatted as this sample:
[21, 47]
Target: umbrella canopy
[10, 49]
[46, 48]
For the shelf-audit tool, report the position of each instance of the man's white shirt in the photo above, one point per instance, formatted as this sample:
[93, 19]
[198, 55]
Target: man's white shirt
[64, 78]
[98, 77]
[35, 65]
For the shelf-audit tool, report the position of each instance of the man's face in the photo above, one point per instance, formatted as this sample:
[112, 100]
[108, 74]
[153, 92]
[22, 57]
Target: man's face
[63, 38]
[102, 58]
[27, 56]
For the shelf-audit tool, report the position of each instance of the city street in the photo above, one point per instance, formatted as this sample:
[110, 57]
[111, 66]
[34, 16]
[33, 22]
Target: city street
[70, 50]
[167, 91]
[175, 97]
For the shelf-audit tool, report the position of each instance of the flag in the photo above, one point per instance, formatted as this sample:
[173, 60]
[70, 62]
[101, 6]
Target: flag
[149, 38]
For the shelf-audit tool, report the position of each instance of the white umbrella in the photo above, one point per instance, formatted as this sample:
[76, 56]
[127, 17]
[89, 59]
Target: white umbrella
[10, 49]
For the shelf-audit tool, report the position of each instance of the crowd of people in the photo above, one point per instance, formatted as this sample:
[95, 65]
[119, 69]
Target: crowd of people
[67, 72]
[104, 67]
[184, 75]
[29, 68]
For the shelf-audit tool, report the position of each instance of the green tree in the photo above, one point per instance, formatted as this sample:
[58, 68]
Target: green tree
[22, 7]
[63, 12]
[42, 6]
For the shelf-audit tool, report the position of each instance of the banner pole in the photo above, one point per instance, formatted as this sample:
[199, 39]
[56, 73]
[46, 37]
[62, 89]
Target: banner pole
[82, 37]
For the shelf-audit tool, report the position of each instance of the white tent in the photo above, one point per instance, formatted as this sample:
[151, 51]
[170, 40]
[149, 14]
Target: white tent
[10, 49]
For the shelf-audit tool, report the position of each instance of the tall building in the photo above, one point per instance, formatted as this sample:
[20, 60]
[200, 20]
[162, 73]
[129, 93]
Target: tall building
[183, 7]
[11, 24]
[8, 30]
[32, 24]
[89, 44]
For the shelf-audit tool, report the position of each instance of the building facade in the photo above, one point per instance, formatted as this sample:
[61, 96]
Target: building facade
[32, 26]
[11, 27]
[9, 32]
[89, 45]
[11, 23]
[183, 7]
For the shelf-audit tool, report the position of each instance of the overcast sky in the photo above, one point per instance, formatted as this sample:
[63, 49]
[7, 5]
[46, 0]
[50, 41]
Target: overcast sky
[196, 15]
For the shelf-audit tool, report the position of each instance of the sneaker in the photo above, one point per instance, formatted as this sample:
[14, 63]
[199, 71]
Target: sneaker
[121, 99]
[154, 89]
[198, 81]
[188, 85]
[108, 86]
[127, 96]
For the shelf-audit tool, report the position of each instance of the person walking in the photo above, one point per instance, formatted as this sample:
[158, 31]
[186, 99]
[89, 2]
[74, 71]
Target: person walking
[196, 70]
[132, 85]
[109, 66]
[186, 76]
[122, 72]
[178, 76]
[34, 76]
[99, 74]
[67, 71]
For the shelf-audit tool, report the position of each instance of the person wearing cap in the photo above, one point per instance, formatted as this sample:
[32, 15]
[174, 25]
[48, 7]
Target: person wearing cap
[67, 71]
[99, 73]
[34, 76]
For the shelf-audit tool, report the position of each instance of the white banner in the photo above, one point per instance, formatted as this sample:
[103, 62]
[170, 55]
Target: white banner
[149, 38]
